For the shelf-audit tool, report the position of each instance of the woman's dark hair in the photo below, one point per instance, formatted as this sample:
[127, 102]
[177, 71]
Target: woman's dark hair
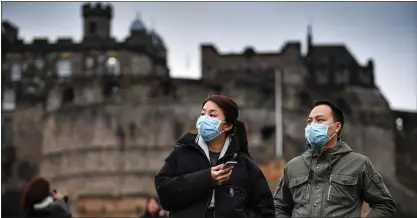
[37, 190]
[231, 113]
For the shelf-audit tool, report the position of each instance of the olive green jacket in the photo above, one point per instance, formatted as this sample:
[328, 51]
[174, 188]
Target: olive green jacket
[333, 183]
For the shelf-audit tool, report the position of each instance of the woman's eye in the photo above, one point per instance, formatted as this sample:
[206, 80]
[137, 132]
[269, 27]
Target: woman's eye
[212, 115]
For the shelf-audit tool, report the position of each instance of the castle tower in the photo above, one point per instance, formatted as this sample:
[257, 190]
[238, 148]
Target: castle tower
[309, 38]
[97, 20]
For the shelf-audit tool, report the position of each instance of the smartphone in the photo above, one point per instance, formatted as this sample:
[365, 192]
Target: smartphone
[228, 164]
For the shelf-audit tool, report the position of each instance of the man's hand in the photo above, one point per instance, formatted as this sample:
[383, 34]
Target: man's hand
[219, 175]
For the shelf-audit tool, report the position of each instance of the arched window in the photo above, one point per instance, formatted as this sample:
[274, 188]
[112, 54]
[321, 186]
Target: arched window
[267, 132]
[399, 123]
[64, 68]
[7, 132]
[305, 99]
[110, 88]
[16, 72]
[68, 96]
[113, 66]
[9, 100]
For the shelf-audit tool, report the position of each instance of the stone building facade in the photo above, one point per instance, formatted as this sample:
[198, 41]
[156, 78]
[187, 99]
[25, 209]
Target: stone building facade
[98, 117]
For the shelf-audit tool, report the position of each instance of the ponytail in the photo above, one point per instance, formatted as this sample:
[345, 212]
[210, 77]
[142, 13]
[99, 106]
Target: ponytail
[242, 137]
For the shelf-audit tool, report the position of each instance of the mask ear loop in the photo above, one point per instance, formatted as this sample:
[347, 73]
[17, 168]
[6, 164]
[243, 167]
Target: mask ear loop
[334, 133]
[221, 132]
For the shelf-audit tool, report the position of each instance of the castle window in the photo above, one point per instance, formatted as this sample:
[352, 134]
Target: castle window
[39, 64]
[113, 66]
[110, 88]
[322, 77]
[92, 28]
[6, 132]
[365, 77]
[16, 72]
[305, 100]
[64, 68]
[399, 123]
[267, 132]
[9, 100]
[342, 77]
[89, 62]
[132, 128]
[68, 96]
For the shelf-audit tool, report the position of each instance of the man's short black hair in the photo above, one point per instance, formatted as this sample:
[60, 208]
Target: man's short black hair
[337, 113]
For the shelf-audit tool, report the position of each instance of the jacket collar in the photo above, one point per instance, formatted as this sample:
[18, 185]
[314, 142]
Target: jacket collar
[203, 145]
[46, 202]
[193, 140]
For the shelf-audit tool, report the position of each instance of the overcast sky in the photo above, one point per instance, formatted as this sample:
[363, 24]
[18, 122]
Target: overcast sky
[386, 32]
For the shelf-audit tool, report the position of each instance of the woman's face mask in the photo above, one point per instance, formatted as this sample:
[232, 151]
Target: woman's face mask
[208, 127]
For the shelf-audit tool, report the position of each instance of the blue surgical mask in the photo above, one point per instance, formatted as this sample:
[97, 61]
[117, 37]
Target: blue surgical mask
[208, 127]
[316, 135]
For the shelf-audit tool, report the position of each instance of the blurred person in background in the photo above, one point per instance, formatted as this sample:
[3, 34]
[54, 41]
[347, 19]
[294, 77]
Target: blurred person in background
[38, 200]
[329, 179]
[153, 209]
[193, 183]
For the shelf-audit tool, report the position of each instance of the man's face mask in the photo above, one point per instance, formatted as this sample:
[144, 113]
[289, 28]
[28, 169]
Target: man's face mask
[316, 134]
[208, 127]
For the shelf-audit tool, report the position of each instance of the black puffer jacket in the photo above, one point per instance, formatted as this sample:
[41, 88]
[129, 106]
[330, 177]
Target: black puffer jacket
[185, 188]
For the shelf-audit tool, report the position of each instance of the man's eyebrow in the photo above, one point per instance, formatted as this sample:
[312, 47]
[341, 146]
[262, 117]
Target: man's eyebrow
[316, 116]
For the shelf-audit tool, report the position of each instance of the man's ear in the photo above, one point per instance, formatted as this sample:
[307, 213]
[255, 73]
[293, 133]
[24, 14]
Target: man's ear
[338, 127]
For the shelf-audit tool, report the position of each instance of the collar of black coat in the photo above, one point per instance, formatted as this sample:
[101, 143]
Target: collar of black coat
[43, 204]
[189, 139]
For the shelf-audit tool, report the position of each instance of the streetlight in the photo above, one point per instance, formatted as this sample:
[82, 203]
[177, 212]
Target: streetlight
[278, 113]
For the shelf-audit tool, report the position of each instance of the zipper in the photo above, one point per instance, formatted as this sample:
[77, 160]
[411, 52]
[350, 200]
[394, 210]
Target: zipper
[209, 165]
[214, 209]
[207, 205]
[330, 189]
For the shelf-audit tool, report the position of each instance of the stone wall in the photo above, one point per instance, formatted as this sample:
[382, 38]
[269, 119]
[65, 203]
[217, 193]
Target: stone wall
[27, 136]
[91, 150]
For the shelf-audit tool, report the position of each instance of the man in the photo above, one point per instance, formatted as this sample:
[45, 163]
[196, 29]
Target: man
[329, 179]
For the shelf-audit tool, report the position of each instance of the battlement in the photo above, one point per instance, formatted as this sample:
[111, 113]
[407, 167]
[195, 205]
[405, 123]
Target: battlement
[98, 10]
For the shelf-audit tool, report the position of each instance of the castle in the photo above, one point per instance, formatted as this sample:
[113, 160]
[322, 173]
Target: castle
[98, 117]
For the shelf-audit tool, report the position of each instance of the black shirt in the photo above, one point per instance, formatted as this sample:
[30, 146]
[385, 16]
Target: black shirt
[214, 157]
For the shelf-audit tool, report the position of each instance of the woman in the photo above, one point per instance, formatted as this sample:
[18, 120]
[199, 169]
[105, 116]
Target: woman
[153, 209]
[192, 182]
[39, 201]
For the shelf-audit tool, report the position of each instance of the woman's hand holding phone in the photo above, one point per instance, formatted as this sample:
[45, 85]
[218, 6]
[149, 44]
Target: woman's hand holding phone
[220, 174]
